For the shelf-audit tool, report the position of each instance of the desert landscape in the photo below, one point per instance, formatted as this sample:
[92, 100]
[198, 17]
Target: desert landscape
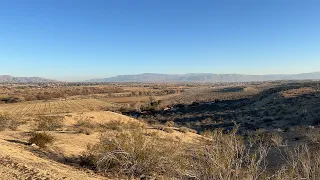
[257, 130]
[159, 90]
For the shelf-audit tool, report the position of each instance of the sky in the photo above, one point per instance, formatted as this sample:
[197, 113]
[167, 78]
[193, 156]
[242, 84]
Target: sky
[84, 39]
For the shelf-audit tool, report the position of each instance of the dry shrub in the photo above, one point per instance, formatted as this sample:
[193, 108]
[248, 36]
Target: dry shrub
[85, 130]
[49, 123]
[7, 122]
[312, 135]
[226, 157]
[169, 124]
[85, 127]
[260, 136]
[133, 154]
[41, 139]
[207, 134]
[186, 130]
[302, 163]
[118, 125]
[276, 139]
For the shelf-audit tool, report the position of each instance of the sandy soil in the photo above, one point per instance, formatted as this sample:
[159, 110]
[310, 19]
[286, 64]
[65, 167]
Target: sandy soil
[19, 160]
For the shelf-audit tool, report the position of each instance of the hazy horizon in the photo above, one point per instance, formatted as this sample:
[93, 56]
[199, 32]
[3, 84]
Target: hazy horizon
[81, 40]
[77, 79]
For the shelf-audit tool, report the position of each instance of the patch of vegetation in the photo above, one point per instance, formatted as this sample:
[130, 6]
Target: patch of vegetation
[119, 125]
[11, 99]
[312, 134]
[7, 122]
[132, 154]
[41, 139]
[303, 162]
[85, 126]
[186, 130]
[169, 124]
[225, 156]
[49, 123]
[260, 136]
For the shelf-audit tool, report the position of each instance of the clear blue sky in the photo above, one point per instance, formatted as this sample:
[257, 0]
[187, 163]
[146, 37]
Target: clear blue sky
[83, 39]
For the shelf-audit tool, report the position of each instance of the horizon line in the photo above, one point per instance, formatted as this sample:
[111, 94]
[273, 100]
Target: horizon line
[88, 79]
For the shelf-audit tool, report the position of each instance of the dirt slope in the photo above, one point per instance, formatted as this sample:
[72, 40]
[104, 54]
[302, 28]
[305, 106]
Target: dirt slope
[18, 160]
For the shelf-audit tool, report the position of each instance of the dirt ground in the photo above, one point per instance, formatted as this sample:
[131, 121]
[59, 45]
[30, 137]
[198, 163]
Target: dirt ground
[20, 160]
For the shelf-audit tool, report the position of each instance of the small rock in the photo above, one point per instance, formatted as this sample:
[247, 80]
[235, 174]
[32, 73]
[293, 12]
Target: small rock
[35, 146]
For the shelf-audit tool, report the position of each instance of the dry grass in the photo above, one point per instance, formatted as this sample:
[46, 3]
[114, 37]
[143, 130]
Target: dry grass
[85, 126]
[274, 139]
[49, 123]
[132, 154]
[8, 123]
[186, 130]
[169, 124]
[120, 125]
[227, 157]
[303, 162]
[312, 134]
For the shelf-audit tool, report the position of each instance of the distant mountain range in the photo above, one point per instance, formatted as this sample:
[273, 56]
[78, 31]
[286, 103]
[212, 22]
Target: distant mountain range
[177, 78]
[11, 79]
[207, 77]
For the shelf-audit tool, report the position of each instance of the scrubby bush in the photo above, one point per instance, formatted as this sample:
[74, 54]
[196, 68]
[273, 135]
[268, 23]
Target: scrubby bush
[222, 156]
[169, 124]
[225, 156]
[85, 130]
[132, 154]
[312, 134]
[11, 99]
[302, 162]
[186, 130]
[7, 122]
[41, 139]
[276, 139]
[49, 123]
[85, 127]
[268, 138]
[207, 133]
[120, 125]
